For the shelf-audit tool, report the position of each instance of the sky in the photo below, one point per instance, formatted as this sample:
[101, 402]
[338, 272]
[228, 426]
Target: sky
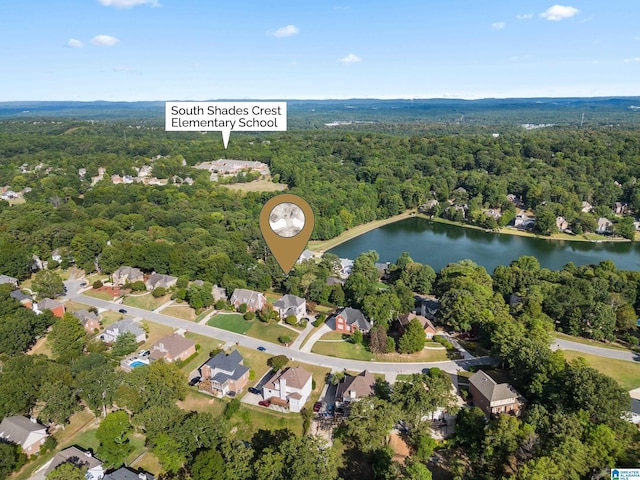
[129, 50]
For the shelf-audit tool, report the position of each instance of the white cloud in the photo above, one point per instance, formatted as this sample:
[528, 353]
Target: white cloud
[351, 58]
[525, 16]
[632, 60]
[73, 43]
[559, 12]
[128, 3]
[288, 31]
[498, 25]
[104, 40]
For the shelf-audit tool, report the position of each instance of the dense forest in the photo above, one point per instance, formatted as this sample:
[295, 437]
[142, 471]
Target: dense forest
[572, 427]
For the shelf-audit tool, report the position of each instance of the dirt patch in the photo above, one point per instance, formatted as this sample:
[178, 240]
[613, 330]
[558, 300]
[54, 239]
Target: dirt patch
[400, 448]
[115, 292]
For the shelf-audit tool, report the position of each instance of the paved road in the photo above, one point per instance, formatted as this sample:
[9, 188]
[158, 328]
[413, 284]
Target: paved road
[599, 351]
[272, 348]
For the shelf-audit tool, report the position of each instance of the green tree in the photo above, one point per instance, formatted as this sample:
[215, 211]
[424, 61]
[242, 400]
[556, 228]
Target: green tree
[67, 338]
[370, 421]
[417, 471]
[98, 386]
[278, 362]
[47, 284]
[113, 435]
[124, 345]
[421, 396]
[168, 451]
[67, 471]
[413, 339]
[208, 464]
[11, 459]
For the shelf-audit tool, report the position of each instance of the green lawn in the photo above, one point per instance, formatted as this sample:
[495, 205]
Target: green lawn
[249, 419]
[627, 374]
[148, 301]
[269, 331]
[232, 322]
[184, 312]
[425, 355]
[207, 344]
[342, 350]
[100, 295]
[333, 336]
[586, 341]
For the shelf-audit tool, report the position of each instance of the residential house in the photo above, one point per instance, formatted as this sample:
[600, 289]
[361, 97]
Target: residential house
[172, 347]
[428, 307]
[334, 281]
[289, 388]
[89, 320]
[494, 398]
[126, 325]
[125, 473]
[79, 458]
[159, 280]
[427, 326]
[23, 298]
[56, 255]
[562, 224]
[127, 275]
[383, 268]
[619, 208]
[27, 433]
[586, 207]
[345, 267]
[290, 305]
[353, 388]
[56, 307]
[253, 300]
[218, 293]
[224, 373]
[305, 255]
[7, 279]
[515, 200]
[428, 206]
[604, 225]
[523, 220]
[349, 320]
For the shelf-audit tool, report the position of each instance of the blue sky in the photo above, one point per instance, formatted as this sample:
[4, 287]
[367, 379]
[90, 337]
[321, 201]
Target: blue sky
[211, 49]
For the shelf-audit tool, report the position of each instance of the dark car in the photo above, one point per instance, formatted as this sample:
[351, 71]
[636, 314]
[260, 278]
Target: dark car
[330, 408]
[317, 406]
[262, 349]
[122, 310]
[264, 403]
[83, 284]
[194, 381]
[231, 393]
[254, 390]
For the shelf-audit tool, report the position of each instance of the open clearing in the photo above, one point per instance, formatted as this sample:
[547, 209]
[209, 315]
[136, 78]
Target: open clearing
[263, 184]
[627, 374]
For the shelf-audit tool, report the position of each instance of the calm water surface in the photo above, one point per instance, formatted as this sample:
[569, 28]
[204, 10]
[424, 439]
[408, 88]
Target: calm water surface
[438, 244]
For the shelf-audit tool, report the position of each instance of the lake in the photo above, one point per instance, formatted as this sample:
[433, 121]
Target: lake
[439, 244]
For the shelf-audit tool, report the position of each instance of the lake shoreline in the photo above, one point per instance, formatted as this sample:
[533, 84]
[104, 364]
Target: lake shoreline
[322, 246]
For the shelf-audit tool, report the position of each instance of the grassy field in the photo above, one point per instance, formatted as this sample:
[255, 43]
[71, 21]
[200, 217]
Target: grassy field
[260, 185]
[332, 336]
[425, 355]
[586, 341]
[627, 374]
[156, 332]
[232, 322]
[256, 361]
[148, 301]
[269, 332]
[251, 418]
[97, 294]
[342, 350]
[108, 317]
[149, 463]
[184, 312]
[207, 344]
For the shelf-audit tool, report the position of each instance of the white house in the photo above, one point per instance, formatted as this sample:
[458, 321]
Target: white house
[290, 305]
[27, 433]
[126, 325]
[79, 458]
[289, 388]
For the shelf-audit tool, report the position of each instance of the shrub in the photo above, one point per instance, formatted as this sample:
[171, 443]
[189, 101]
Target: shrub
[303, 323]
[53, 264]
[97, 284]
[221, 305]
[249, 316]
[232, 407]
[215, 352]
[356, 337]
[138, 286]
[197, 347]
[291, 320]
[252, 374]
[278, 362]
[242, 308]
[159, 292]
[284, 339]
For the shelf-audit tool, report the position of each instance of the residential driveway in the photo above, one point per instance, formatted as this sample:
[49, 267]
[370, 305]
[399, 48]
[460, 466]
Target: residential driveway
[295, 345]
[315, 336]
[252, 398]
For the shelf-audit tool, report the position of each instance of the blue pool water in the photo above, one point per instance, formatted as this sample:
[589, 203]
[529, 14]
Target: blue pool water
[137, 363]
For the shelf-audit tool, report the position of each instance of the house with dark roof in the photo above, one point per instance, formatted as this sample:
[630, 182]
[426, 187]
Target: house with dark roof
[353, 388]
[224, 373]
[427, 326]
[290, 305]
[79, 458]
[494, 398]
[89, 320]
[349, 320]
[126, 325]
[127, 275]
[159, 280]
[172, 347]
[23, 298]
[289, 388]
[253, 300]
[27, 433]
[125, 473]
[56, 307]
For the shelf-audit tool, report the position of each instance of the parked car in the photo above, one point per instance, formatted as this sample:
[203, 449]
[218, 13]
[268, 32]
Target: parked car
[262, 349]
[264, 403]
[122, 310]
[330, 408]
[231, 393]
[144, 353]
[317, 406]
[254, 390]
[194, 381]
[83, 284]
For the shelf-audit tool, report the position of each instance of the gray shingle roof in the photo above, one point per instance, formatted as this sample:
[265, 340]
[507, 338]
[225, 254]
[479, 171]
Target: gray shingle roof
[17, 429]
[491, 390]
[229, 366]
[288, 301]
[75, 456]
[353, 315]
[123, 473]
[126, 325]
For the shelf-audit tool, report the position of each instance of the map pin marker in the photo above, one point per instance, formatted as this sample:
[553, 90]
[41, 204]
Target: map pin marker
[286, 222]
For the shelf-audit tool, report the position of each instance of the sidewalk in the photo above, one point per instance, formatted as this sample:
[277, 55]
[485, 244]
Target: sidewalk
[315, 336]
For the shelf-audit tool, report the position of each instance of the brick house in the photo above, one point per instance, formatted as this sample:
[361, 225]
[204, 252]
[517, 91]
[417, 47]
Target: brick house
[224, 373]
[427, 326]
[56, 307]
[290, 305]
[126, 275]
[349, 320]
[172, 347]
[494, 398]
[253, 300]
